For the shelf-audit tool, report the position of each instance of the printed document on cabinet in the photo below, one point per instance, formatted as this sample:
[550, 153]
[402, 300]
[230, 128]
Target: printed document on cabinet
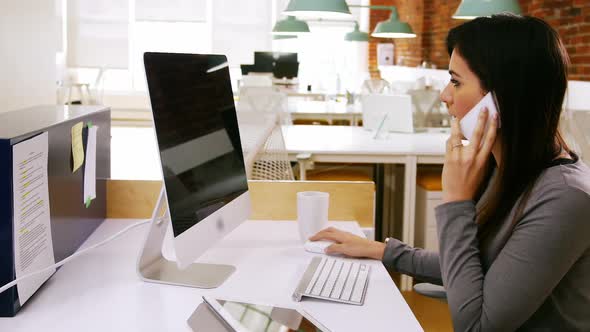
[33, 245]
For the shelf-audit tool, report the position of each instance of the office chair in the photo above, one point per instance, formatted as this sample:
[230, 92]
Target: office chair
[265, 154]
[96, 89]
[272, 162]
[424, 101]
[257, 80]
[375, 86]
[264, 100]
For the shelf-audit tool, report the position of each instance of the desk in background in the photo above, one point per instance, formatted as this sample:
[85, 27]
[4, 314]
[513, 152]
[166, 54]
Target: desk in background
[343, 144]
[328, 111]
[102, 292]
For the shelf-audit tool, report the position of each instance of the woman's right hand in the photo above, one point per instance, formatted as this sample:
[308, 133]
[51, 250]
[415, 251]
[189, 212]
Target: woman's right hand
[349, 244]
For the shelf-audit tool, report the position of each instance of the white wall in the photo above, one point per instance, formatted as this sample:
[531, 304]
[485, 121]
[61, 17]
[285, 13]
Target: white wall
[578, 94]
[28, 44]
[241, 27]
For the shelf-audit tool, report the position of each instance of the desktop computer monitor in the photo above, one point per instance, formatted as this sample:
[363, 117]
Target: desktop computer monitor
[246, 69]
[286, 69]
[200, 151]
[266, 61]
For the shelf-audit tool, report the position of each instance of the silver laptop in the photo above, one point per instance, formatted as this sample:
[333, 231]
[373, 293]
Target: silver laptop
[388, 113]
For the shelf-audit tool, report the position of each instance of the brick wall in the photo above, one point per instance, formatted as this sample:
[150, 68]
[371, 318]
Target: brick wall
[407, 51]
[571, 18]
[431, 20]
[438, 24]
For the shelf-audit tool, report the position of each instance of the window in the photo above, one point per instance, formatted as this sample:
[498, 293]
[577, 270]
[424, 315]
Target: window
[177, 37]
[114, 34]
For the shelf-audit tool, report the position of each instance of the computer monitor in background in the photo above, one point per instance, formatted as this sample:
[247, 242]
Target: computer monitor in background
[266, 61]
[286, 69]
[286, 57]
[204, 173]
[246, 69]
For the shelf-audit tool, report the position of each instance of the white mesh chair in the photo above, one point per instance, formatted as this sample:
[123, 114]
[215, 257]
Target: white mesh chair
[272, 162]
[264, 100]
[265, 154]
[257, 79]
[96, 90]
[424, 101]
[261, 112]
[375, 85]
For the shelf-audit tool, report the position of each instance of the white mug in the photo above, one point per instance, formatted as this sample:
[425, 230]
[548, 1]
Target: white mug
[312, 212]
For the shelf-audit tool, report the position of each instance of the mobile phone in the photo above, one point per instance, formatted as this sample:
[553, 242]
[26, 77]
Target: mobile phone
[469, 121]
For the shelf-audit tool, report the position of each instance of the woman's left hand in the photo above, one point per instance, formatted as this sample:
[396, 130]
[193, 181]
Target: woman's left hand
[465, 166]
[349, 244]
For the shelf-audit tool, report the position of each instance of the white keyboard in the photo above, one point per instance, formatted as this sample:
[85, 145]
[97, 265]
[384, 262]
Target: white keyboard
[335, 280]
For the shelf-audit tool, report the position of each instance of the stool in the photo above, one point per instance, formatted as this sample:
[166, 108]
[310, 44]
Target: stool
[80, 87]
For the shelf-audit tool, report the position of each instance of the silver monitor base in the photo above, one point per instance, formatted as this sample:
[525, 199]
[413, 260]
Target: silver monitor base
[153, 267]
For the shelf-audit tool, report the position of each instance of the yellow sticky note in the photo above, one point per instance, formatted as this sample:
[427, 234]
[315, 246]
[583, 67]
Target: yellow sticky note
[77, 146]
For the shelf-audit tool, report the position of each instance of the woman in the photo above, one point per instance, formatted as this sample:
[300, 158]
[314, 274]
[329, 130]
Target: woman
[514, 226]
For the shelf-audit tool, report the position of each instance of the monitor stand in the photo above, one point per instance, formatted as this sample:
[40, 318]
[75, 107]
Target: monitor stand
[153, 267]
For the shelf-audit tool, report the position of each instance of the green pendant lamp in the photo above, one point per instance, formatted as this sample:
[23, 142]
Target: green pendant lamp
[393, 28]
[290, 27]
[470, 9]
[281, 37]
[326, 9]
[357, 34]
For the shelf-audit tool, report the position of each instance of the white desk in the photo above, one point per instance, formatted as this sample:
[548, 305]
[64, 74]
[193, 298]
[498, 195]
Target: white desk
[101, 291]
[325, 110]
[344, 144]
[340, 144]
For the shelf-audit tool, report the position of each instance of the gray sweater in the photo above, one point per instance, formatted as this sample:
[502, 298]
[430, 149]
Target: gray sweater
[532, 276]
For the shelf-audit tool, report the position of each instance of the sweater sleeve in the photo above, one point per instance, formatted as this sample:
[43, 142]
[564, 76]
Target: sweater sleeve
[545, 243]
[418, 263]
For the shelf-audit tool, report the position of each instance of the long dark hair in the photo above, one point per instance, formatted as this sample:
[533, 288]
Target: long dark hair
[523, 60]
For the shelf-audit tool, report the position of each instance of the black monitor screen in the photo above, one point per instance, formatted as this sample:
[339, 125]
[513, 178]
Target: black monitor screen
[286, 69]
[197, 131]
[267, 60]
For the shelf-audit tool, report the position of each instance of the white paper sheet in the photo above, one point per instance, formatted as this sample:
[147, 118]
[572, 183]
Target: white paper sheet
[33, 245]
[90, 167]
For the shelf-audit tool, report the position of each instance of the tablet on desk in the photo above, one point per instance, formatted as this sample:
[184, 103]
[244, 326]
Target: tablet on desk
[247, 317]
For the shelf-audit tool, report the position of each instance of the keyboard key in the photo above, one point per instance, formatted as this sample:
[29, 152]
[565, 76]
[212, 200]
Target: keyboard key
[337, 291]
[359, 287]
[317, 272]
[332, 279]
[321, 281]
[350, 282]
